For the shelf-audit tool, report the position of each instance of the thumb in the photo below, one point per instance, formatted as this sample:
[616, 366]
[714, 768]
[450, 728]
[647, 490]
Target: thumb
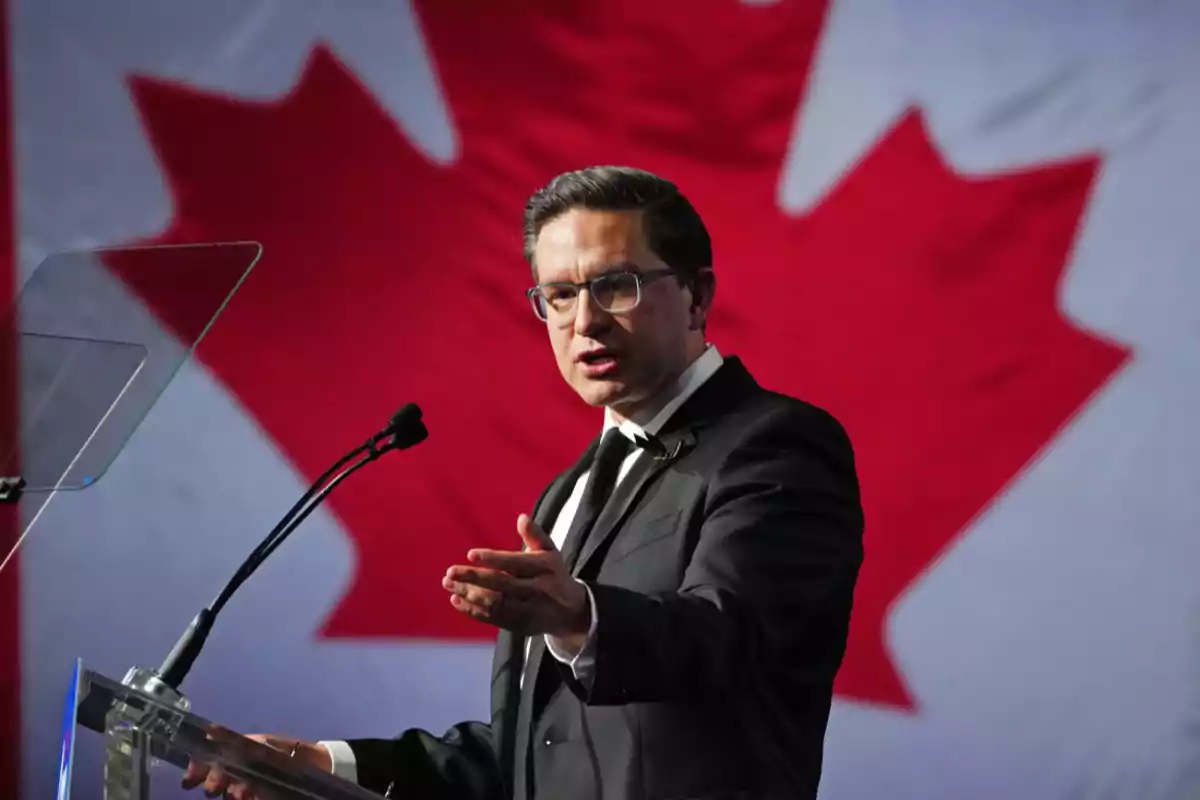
[532, 535]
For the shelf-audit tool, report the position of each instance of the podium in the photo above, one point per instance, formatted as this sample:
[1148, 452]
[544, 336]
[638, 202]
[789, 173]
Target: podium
[149, 727]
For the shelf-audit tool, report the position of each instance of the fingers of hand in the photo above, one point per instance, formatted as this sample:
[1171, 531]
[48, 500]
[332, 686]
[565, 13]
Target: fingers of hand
[216, 782]
[490, 588]
[240, 791]
[480, 577]
[487, 599]
[532, 534]
[476, 612]
[506, 588]
[194, 775]
[522, 565]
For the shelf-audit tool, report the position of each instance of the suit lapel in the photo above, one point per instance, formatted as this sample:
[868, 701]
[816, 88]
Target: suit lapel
[506, 676]
[511, 704]
[728, 386]
[510, 661]
[544, 516]
[508, 670]
[649, 465]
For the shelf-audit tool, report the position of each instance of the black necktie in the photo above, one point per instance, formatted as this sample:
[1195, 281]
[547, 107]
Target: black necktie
[606, 465]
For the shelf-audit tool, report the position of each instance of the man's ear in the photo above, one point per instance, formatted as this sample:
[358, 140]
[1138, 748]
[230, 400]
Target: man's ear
[703, 288]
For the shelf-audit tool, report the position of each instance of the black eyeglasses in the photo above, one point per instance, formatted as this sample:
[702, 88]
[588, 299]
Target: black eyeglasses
[614, 292]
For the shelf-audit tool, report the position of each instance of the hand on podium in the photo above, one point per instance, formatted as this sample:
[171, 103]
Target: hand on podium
[214, 781]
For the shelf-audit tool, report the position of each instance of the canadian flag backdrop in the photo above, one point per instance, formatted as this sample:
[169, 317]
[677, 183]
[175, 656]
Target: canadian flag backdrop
[967, 229]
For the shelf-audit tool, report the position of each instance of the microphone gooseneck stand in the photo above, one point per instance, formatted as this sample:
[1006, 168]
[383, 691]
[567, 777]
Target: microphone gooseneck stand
[127, 762]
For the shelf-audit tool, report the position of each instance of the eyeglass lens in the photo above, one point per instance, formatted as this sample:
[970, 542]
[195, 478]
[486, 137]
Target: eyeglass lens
[612, 293]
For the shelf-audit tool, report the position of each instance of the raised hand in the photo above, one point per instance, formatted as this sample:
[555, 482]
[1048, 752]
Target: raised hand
[529, 591]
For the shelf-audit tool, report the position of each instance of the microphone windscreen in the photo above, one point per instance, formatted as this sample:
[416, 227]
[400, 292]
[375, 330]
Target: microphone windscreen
[406, 428]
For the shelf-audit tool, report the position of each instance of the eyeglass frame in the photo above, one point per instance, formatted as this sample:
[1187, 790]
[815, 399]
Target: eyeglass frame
[642, 277]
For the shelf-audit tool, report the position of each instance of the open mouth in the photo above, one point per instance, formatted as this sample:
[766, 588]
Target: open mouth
[598, 362]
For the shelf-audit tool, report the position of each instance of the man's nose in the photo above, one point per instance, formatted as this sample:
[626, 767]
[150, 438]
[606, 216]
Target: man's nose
[588, 317]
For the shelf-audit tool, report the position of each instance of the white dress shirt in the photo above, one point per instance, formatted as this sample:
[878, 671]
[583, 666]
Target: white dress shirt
[649, 421]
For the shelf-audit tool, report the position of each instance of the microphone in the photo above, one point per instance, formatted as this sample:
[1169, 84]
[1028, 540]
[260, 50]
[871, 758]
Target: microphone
[404, 430]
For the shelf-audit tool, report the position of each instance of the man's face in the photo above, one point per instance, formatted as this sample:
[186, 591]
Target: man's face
[618, 360]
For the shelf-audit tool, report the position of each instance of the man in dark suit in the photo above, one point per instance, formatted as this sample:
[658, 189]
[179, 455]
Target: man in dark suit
[674, 622]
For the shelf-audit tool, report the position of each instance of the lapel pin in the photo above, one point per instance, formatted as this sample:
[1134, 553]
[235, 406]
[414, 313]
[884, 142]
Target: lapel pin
[657, 450]
[663, 455]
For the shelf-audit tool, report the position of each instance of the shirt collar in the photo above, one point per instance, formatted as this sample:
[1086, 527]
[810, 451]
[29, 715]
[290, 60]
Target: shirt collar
[649, 421]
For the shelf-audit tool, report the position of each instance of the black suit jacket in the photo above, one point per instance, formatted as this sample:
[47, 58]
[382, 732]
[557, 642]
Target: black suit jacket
[723, 569]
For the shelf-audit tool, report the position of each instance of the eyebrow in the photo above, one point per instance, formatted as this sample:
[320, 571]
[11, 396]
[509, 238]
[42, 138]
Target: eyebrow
[620, 266]
[610, 269]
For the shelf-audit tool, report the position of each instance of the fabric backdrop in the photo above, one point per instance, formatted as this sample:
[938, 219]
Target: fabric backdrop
[967, 229]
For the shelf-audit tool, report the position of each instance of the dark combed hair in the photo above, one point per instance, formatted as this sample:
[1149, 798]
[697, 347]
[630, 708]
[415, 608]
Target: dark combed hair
[674, 231]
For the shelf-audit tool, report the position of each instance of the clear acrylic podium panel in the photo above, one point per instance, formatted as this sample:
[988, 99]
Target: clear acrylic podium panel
[177, 737]
[94, 338]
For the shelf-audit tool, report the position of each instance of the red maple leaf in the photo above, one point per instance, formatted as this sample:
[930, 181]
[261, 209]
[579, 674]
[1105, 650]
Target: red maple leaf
[917, 305]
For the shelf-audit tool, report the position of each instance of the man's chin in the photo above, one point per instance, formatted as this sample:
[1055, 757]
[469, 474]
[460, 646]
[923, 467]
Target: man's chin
[601, 392]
